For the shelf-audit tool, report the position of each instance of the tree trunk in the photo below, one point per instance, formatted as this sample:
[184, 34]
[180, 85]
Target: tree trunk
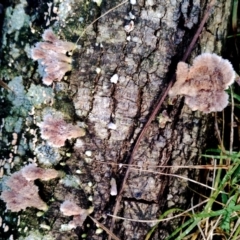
[124, 63]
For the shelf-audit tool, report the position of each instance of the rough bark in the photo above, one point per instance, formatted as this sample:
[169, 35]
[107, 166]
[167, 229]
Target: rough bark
[144, 60]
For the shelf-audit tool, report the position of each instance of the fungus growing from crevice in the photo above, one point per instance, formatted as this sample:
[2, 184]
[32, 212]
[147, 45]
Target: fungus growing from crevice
[69, 208]
[52, 55]
[22, 192]
[204, 82]
[57, 131]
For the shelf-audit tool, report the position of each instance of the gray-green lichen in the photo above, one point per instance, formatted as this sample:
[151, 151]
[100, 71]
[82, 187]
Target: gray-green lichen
[38, 95]
[47, 155]
[36, 235]
[70, 181]
[14, 52]
[21, 104]
[65, 9]
[13, 124]
[25, 110]
[23, 100]
[16, 18]
[16, 39]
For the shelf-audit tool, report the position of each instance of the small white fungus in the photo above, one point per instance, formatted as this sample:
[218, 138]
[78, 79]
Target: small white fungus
[1, 172]
[113, 184]
[114, 78]
[6, 228]
[88, 153]
[98, 70]
[90, 198]
[90, 184]
[128, 38]
[44, 226]
[128, 28]
[99, 231]
[131, 15]
[78, 171]
[112, 126]
[98, 2]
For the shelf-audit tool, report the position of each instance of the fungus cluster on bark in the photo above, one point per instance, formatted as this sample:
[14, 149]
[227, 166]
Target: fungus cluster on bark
[31, 173]
[22, 192]
[52, 55]
[57, 131]
[203, 83]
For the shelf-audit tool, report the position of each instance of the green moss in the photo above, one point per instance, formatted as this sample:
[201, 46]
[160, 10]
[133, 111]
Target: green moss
[5, 106]
[64, 104]
[76, 23]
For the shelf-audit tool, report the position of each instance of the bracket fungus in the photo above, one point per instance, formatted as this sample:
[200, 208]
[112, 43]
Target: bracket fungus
[204, 82]
[22, 192]
[57, 131]
[52, 55]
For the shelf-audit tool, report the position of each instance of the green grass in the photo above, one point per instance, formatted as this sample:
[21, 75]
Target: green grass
[220, 213]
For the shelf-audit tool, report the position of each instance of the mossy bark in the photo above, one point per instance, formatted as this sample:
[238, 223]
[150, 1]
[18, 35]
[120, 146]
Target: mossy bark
[144, 60]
